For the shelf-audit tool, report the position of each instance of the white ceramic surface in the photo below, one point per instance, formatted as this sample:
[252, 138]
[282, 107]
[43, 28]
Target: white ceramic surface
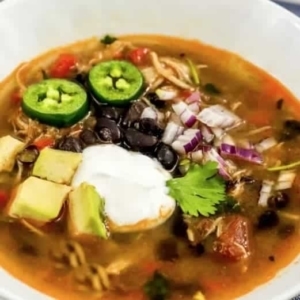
[259, 30]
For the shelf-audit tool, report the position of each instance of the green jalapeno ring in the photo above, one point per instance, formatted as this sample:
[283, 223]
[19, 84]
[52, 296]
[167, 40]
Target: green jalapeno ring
[116, 82]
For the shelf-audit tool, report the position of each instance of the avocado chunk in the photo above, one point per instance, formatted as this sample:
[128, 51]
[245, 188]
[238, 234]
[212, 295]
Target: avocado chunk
[9, 148]
[57, 165]
[38, 200]
[86, 212]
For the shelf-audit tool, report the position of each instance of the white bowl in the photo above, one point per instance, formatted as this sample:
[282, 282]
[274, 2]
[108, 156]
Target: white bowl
[259, 30]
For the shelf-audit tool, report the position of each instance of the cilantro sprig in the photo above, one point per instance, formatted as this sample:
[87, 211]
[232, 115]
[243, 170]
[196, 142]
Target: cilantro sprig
[199, 191]
[108, 39]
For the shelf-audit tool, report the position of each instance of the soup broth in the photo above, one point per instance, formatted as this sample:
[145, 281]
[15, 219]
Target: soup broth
[243, 243]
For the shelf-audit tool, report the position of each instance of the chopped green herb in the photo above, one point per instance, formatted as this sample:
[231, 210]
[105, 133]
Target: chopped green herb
[285, 167]
[212, 89]
[194, 71]
[158, 287]
[199, 191]
[108, 39]
[229, 206]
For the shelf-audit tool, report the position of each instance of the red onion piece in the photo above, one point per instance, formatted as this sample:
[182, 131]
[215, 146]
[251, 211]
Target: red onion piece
[285, 180]
[218, 116]
[166, 93]
[194, 107]
[187, 142]
[186, 115]
[196, 156]
[207, 133]
[149, 113]
[227, 139]
[218, 132]
[172, 131]
[250, 155]
[194, 97]
[213, 155]
[266, 144]
[265, 192]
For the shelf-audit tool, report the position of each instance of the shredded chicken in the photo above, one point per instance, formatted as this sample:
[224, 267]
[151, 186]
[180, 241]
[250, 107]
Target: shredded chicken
[70, 252]
[259, 130]
[166, 73]
[30, 130]
[94, 275]
[200, 228]
[118, 266]
[180, 68]
[32, 228]
[150, 75]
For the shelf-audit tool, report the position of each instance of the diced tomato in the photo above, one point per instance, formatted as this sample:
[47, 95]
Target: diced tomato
[139, 56]
[63, 65]
[4, 197]
[185, 93]
[235, 238]
[16, 98]
[44, 142]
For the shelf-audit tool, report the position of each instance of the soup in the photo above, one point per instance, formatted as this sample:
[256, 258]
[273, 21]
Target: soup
[147, 167]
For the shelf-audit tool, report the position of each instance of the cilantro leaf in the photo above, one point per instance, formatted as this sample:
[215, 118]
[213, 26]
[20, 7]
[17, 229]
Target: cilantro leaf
[199, 191]
[108, 39]
[157, 287]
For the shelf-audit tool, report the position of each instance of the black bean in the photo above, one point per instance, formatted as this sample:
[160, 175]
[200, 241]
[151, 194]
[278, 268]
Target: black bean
[109, 112]
[154, 99]
[29, 155]
[286, 230]
[197, 249]
[139, 141]
[134, 113]
[108, 130]
[149, 126]
[167, 156]
[167, 250]
[88, 136]
[268, 219]
[70, 143]
[291, 129]
[279, 200]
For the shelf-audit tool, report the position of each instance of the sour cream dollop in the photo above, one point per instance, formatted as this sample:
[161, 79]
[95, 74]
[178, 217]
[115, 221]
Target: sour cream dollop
[132, 184]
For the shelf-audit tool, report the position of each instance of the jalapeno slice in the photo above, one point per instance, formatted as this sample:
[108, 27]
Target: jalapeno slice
[116, 82]
[55, 102]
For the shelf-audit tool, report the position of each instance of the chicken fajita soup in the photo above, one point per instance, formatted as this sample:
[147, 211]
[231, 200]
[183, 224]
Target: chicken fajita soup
[147, 167]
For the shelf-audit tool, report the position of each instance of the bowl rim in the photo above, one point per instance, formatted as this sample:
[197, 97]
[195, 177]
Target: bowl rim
[288, 294]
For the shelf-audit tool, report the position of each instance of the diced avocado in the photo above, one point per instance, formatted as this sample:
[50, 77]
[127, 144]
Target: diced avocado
[86, 212]
[37, 199]
[9, 148]
[56, 165]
